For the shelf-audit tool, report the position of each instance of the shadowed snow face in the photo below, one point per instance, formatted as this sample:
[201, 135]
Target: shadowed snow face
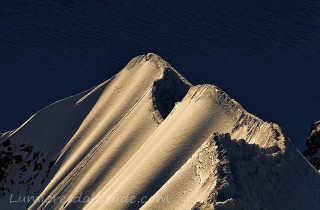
[168, 91]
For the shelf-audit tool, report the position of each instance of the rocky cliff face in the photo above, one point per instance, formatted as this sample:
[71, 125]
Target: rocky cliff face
[312, 151]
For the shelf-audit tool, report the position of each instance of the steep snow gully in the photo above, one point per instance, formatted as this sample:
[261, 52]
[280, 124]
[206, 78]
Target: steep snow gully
[146, 138]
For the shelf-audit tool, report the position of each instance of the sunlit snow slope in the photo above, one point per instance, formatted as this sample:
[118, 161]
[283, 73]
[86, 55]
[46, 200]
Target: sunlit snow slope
[146, 138]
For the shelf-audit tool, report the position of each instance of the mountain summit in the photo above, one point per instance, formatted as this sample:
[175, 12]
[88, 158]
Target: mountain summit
[146, 138]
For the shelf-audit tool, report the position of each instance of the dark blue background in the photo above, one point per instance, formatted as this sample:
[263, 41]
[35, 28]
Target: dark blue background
[265, 54]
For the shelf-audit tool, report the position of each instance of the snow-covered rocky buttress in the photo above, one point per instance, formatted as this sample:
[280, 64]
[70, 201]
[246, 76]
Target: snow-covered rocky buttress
[312, 151]
[146, 138]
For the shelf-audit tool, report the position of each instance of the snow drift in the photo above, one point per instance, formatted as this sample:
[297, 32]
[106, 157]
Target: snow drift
[146, 138]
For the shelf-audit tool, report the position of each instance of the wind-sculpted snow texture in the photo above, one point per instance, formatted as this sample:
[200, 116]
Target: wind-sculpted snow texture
[146, 138]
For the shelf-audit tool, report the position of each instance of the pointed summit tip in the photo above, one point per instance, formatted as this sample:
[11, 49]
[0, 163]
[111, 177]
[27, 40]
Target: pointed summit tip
[149, 56]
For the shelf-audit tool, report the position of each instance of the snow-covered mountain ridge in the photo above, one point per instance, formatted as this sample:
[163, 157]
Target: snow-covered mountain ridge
[149, 135]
